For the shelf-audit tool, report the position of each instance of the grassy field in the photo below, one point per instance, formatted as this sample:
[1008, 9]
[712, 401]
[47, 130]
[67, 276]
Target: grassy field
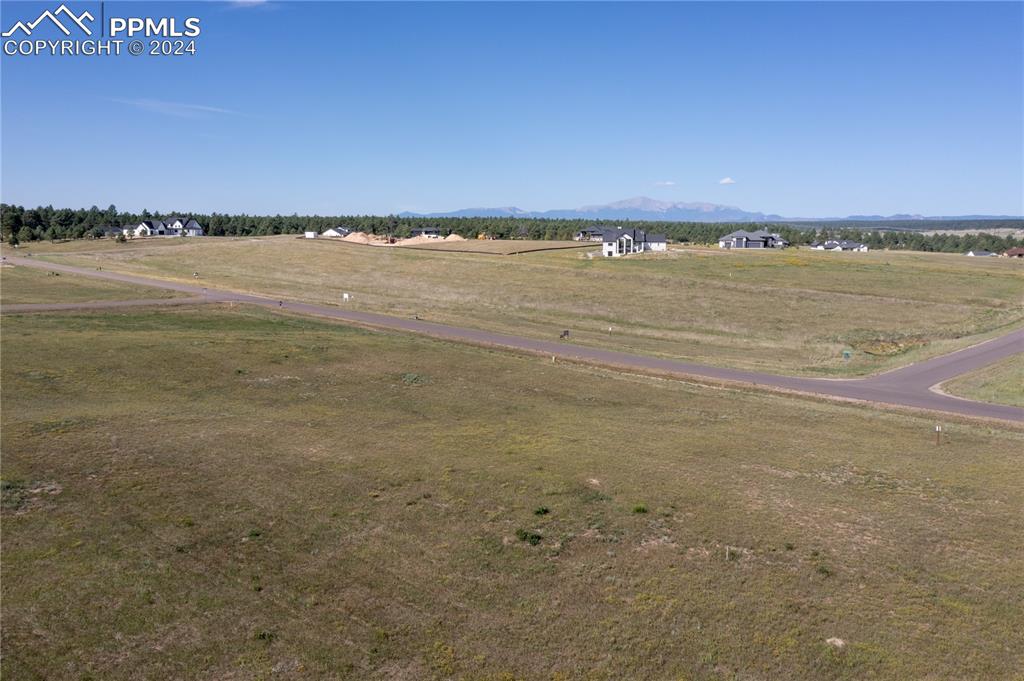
[501, 247]
[1000, 383]
[785, 312]
[286, 498]
[25, 285]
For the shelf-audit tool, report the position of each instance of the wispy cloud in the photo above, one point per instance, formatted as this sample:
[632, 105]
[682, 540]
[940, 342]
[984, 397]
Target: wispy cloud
[176, 109]
[727, 180]
[665, 183]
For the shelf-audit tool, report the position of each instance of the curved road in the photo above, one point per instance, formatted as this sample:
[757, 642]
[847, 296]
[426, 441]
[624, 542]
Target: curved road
[910, 386]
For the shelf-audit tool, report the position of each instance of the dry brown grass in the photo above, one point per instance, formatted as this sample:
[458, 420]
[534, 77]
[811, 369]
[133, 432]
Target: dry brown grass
[26, 285]
[502, 247]
[243, 495]
[1000, 383]
[785, 312]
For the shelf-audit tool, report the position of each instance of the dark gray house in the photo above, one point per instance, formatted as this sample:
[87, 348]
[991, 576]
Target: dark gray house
[590, 234]
[759, 239]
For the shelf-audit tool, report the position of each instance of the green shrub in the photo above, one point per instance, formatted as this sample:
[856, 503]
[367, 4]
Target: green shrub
[639, 508]
[13, 493]
[541, 510]
[531, 538]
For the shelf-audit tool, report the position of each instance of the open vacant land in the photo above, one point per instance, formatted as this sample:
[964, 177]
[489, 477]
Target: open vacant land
[24, 285]
[282, 496]
[785, 312]
[1001, 383]
[501, 247]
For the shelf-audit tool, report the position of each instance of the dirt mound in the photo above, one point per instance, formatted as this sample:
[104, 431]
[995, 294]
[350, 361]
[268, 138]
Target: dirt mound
[357, 238]
[454, 237]
[415, 240]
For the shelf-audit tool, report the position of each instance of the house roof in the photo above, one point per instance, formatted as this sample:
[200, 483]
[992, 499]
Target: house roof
[1018, 251]
[639, 235]
[979, 252]
[186, 223]
[844, 244]
[616, 233]
[759, 235]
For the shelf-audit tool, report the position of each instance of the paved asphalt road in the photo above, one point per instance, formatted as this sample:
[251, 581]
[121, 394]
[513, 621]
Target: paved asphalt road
[910, 386]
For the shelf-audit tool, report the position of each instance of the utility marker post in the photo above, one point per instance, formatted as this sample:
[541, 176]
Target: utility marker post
[938, 435]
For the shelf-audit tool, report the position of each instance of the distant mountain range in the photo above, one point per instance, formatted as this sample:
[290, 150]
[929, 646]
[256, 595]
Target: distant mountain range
[644, 208]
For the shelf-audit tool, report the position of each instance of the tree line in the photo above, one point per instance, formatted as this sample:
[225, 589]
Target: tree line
[48, 223]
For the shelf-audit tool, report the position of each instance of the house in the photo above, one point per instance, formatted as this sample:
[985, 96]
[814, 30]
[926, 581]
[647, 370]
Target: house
[183, 227]
[618, 242]
[172, 227]
[149, 228]
[839, 245]
[310, 235]
[1014, 253]
[590, 234]
[759, 239]
[112, 232]
[980, 253]
[336, 231]
[429, 232]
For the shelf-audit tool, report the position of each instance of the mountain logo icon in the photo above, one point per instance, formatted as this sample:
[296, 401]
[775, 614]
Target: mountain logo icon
[77, 20]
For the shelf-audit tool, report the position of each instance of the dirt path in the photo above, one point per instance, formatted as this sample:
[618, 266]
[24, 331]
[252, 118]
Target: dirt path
[906, 387]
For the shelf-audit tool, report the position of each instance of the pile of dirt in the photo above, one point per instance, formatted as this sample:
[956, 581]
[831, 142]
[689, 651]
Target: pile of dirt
[415, 240]
[357, 238]
[454, 237]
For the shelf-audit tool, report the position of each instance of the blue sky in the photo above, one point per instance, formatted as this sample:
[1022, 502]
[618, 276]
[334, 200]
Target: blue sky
[813, 109]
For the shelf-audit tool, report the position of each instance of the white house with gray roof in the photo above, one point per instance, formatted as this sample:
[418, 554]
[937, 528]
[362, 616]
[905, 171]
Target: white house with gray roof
[171, 227]
[839, 245]
[619, 242]
[338, 231]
